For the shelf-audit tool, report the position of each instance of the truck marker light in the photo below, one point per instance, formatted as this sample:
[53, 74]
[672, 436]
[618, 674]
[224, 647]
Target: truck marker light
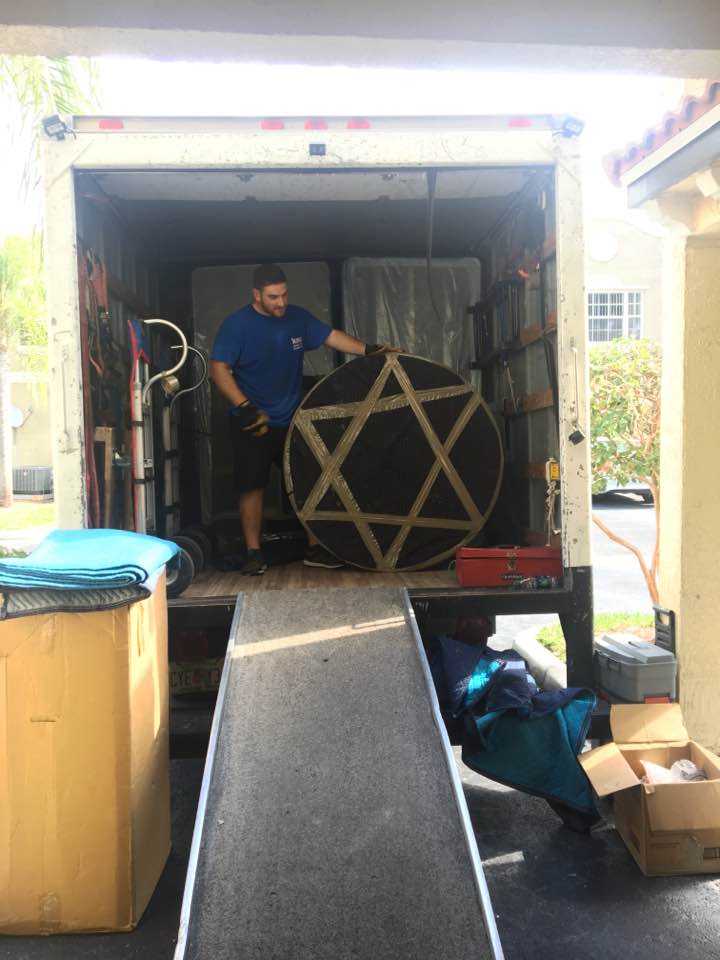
[316, 125]
[111, 123]
[272, 125]
[358, 123]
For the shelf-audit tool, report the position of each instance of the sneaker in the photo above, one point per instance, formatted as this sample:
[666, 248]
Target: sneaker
[318, 556]
[254, 565]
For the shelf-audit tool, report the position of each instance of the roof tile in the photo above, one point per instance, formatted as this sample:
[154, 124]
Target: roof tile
[690, 109]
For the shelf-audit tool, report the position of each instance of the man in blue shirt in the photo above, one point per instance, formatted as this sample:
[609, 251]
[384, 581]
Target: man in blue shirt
[257, 364]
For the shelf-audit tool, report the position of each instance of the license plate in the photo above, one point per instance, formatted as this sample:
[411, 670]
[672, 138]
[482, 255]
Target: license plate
[200, 676]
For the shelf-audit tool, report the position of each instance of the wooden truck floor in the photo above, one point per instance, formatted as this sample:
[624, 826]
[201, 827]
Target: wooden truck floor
[296, 576]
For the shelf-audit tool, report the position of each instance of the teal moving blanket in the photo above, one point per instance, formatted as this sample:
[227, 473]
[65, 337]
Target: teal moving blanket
[87, 559]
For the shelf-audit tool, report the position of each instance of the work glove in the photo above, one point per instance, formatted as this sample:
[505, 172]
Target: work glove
[252, 420]
[380, 348]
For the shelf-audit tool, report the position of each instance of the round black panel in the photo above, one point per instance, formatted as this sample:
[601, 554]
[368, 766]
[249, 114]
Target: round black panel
[393, 462]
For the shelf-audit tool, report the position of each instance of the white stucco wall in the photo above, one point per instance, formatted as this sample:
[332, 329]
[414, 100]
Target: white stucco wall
[690, 466]
[621, 256]
[31, 441]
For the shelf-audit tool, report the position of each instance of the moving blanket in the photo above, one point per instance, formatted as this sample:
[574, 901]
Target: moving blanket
[513, 732]
[86, 559]
[23, 602]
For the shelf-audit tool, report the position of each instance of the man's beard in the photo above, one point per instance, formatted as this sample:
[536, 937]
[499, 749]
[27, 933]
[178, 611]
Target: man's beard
[274, 311]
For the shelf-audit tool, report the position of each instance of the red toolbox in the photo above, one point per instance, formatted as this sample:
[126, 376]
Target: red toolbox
[505, 566]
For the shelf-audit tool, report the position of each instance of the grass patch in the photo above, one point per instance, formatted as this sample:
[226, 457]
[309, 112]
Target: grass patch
[552, 638]
[5, 553]
[24, 514]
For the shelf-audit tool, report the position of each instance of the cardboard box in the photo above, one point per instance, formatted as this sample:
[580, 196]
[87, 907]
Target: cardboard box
[671, 828]
[84, 787]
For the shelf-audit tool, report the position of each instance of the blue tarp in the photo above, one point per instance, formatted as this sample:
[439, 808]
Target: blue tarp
[83, 559]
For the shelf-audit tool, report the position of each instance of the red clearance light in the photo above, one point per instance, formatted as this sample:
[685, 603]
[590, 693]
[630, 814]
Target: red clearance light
[316, 125]
[520, 122]
[111, 124]
[358, 123]
[272, 125]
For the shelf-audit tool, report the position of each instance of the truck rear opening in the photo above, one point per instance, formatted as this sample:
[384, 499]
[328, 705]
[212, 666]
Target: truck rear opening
[458, 238]
[186, 236]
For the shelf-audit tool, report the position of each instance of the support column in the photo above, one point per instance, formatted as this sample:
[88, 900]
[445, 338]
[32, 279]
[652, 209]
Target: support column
[690, 477]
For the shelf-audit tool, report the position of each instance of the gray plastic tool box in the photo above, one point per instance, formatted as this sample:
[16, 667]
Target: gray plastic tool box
[630, 669]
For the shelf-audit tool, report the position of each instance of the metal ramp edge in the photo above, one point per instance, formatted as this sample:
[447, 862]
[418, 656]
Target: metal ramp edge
[192, 906]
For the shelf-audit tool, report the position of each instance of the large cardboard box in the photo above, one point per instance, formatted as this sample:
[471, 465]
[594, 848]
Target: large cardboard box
[84, 788]
[671, 828]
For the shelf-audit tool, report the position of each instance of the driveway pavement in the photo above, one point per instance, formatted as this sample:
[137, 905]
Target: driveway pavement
[618, 583]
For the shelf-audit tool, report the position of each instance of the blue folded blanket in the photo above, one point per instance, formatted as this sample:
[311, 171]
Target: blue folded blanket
[536, 754]
[513, 732]
[83, 559]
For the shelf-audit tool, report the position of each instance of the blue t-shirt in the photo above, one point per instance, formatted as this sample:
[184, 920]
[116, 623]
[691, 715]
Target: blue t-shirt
[266, 356]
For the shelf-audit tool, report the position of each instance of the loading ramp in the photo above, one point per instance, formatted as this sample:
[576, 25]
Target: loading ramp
[308, 843]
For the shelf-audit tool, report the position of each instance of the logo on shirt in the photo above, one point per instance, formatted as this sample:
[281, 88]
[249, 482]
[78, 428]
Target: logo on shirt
[296, 342]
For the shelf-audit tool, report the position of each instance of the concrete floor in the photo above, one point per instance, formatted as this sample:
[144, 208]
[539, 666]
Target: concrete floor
[555, 893]
[559, 894]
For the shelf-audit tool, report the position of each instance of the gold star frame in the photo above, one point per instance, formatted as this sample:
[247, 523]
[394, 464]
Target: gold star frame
[331, 463]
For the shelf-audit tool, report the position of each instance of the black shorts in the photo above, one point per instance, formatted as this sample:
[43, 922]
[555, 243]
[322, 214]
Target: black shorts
[255, 455]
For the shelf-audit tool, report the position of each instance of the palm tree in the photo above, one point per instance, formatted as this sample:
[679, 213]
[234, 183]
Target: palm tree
[37, 87]
[31, 88]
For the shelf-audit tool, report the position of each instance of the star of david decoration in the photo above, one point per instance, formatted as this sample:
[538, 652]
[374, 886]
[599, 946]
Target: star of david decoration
[393, 462]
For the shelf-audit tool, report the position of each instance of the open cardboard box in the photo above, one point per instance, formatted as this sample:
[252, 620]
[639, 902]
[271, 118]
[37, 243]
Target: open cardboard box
[671, 828]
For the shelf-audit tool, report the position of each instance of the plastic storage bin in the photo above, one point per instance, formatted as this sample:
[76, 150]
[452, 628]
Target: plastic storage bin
[633, 670]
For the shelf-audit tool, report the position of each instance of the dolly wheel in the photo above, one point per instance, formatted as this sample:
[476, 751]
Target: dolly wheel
[202, 538]
[180, 575]
[193, 548]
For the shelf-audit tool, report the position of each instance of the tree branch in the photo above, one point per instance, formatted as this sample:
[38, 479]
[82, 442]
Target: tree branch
[649, 576]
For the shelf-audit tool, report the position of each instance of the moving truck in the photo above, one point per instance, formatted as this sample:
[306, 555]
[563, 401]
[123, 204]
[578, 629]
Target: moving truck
[459, 238]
